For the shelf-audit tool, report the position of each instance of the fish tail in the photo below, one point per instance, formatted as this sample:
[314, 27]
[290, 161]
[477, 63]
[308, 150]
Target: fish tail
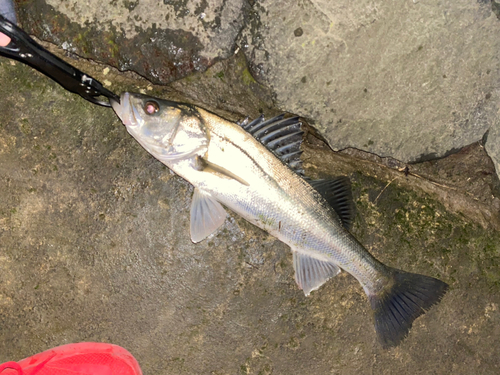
[404, 298]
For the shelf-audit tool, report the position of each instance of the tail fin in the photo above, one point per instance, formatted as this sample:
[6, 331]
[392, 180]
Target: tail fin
[401, 302]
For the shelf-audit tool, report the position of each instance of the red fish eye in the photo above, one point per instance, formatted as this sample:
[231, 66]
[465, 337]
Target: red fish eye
[151, 107]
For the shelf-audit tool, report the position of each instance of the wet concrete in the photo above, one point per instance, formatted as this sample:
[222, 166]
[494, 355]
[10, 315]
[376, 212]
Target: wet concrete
[94, 246]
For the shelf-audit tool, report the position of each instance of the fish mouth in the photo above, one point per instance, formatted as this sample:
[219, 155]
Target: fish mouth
[124, 109]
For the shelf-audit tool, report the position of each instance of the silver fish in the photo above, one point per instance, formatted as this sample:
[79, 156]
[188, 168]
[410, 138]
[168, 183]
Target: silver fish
[255, 170]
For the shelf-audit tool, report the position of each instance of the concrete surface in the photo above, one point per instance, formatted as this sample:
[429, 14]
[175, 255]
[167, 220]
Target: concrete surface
[94, 245]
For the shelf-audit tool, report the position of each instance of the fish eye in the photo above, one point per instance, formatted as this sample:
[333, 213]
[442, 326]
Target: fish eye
[151, 107]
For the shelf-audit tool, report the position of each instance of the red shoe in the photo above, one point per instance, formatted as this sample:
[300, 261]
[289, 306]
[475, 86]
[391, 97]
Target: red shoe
[86, 358]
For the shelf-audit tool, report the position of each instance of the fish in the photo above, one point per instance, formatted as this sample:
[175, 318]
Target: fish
[254, 169]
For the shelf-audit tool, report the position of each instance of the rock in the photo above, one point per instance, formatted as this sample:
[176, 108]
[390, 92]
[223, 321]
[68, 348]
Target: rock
[492, 144]
[161, 40]
[410, 80]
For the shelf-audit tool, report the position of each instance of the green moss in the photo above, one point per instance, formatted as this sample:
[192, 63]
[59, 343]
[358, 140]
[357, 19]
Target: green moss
[247, 78]
[219, 75]
[25, 126]
[412, 230]
[190, 78]
[294, 343]
[84, 42]
[113, 48]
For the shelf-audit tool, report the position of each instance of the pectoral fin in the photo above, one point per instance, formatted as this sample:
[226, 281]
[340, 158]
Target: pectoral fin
[311, 273]
[206, 215]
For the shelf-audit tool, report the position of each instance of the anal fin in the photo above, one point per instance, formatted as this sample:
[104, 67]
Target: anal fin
[206, 215]
[311, 273]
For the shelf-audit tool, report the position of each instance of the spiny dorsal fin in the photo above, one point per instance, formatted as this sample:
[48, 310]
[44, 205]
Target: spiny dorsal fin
[282, 137]
[337, 192]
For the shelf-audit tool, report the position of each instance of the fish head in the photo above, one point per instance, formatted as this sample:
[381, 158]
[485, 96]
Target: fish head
[166, 129]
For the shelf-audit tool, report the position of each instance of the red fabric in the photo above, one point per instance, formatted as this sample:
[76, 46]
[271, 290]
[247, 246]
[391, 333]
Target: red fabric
[78, 359]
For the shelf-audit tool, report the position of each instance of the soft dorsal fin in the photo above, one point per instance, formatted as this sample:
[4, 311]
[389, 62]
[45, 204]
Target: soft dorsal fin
[282, 137]
[337, 192]
[311, 273]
